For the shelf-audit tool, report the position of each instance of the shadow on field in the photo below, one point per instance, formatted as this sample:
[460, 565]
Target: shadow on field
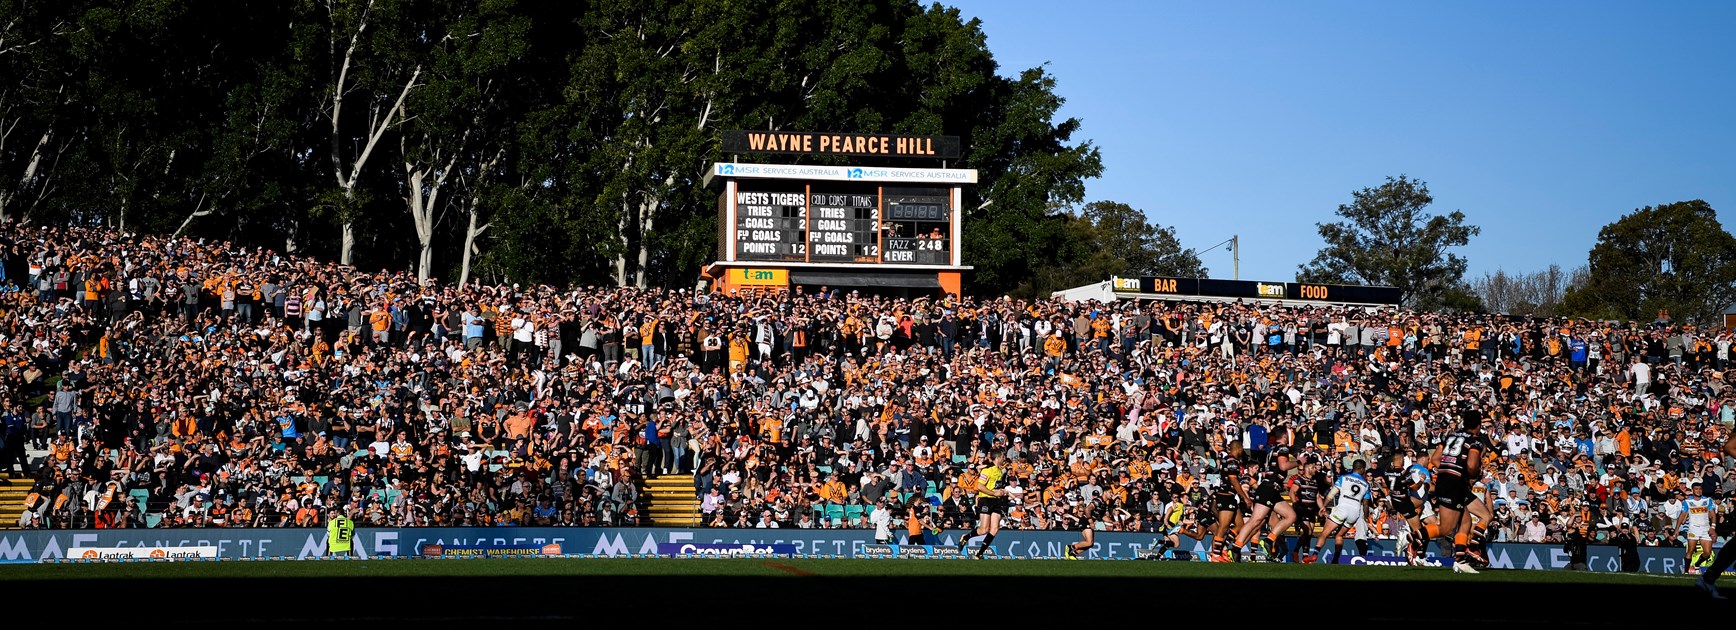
[801, 601]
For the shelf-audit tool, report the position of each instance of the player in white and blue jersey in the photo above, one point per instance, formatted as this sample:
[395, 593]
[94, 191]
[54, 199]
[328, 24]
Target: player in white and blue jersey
[1419, 478]
[1708, 582]
[1700, 516]
[1347, 497]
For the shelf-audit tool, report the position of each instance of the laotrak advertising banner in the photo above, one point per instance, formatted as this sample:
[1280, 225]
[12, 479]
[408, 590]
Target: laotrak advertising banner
[143, 553]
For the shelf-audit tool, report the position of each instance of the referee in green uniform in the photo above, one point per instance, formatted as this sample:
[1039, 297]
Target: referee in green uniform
[339, 530]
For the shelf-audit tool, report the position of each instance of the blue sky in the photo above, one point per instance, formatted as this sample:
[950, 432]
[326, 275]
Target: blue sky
[1541, 121]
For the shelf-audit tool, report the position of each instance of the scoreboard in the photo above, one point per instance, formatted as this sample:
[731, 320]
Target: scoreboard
[766, 221]
[894, 229]
[844, 226]
[926, 211]
[840, 222]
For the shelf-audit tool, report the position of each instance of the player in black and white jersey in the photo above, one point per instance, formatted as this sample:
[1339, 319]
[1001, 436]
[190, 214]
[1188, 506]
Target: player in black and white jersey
[1458, 463]
[1481, 513]
[1409, 488]
[1269, 504]
[1309, 504]
[1228, 498]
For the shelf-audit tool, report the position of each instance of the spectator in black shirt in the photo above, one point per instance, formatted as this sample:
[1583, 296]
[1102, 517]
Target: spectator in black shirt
[1578, 550]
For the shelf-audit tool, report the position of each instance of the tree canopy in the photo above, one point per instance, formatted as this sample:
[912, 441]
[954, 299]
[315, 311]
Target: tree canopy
[1388, 238]
[531, 141]
[1110, 238]
[1674, 257]
[1539, 293]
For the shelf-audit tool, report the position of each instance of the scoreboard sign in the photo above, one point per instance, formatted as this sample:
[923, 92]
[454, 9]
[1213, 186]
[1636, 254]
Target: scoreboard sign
[1256, 290]
[854, 144]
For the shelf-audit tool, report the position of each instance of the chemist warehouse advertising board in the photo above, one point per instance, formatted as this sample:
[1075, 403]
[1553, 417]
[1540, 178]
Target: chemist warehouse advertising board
[302, 543]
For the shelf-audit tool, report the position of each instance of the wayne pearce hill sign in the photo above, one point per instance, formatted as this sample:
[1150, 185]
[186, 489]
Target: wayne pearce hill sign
[827, 143]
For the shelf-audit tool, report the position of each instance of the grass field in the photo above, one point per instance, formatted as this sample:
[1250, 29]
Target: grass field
[566, 593]
[800, 567]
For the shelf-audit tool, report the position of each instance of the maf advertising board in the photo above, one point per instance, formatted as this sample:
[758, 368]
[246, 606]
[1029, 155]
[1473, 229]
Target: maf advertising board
[307, 543]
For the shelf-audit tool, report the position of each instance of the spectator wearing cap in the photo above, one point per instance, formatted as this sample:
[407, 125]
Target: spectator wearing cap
[874, 487]
[881, 519]
[833, 490]
[923, 454]
[711, 502]
[912, 482]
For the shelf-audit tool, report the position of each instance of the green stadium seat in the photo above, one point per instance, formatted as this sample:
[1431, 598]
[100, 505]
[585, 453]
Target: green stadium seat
[298, 479]
[141, 495]
[152, 520]
[824, 469]
[932, 489]
[958, 459]
[852, 512]
[321, 480]
[835, 512]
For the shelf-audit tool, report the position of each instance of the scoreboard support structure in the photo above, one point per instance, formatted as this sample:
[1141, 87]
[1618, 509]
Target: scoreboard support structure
[873, 229]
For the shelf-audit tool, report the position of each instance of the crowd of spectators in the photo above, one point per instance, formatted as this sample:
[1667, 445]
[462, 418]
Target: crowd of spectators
[173, 382]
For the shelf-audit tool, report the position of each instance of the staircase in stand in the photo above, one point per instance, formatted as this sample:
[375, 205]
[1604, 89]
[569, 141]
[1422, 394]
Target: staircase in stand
[13, 489]
[670, 501]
